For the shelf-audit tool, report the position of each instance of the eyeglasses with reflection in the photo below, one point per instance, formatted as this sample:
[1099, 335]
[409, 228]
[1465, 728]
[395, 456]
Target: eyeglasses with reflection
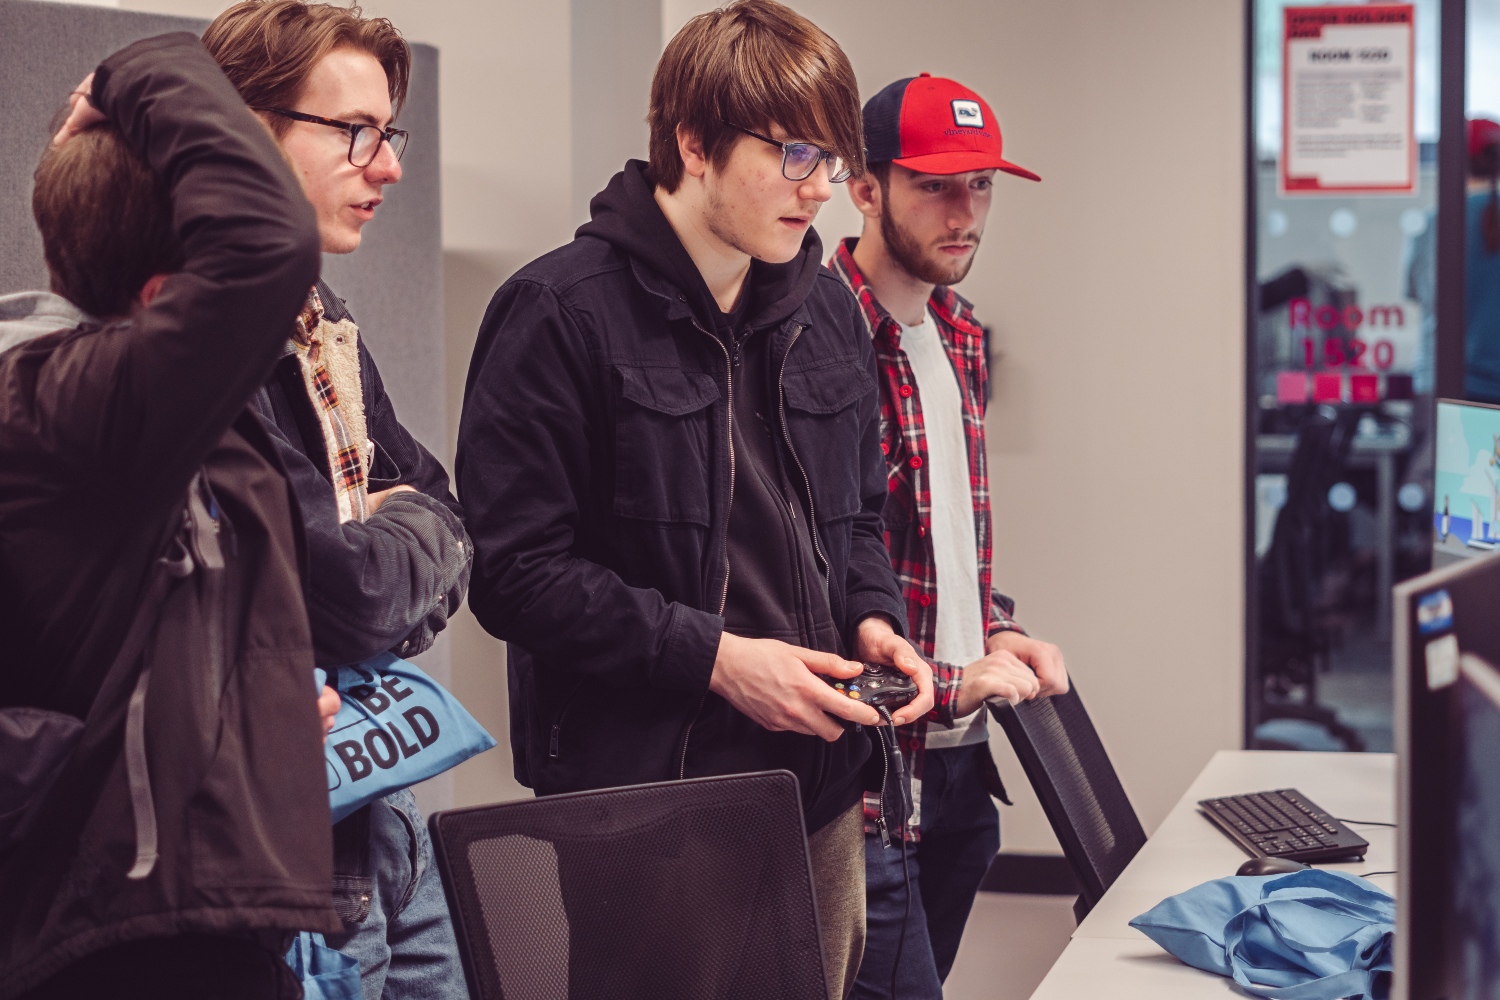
[364, 140]
[800, 159]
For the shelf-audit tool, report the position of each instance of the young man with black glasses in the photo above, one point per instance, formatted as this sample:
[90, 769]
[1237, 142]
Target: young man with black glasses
[388, 556]
[669, 457]
[933, 148]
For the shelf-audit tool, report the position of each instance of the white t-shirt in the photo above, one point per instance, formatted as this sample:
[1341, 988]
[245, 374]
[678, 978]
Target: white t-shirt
[955, 549]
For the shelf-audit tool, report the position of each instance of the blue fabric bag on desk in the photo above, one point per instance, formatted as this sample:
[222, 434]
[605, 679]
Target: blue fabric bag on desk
[395, 728]
[1307, 935]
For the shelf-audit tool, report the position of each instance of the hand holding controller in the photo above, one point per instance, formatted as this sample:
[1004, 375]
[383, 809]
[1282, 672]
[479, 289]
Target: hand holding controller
[878, 686]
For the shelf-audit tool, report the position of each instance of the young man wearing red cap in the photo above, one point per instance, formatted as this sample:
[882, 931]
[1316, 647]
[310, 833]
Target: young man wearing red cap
[933, 150]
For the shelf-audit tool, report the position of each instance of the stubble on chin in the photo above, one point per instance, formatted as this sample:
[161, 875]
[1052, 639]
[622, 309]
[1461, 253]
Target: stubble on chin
[920, 262]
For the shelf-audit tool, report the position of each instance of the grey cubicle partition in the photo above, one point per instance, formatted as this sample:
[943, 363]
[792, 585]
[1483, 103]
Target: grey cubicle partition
[393, 284]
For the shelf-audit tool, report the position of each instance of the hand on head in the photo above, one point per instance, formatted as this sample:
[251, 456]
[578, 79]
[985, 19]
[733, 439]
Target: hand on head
[82, 115]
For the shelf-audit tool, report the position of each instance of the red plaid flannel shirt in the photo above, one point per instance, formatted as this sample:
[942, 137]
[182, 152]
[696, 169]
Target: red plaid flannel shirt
[908, 508]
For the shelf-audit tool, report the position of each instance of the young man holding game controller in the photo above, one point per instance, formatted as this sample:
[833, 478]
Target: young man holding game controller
[933, 148]
[669, 457]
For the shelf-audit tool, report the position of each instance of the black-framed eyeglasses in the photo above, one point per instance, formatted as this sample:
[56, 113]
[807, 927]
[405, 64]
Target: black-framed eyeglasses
[364, 140]
[800, 159]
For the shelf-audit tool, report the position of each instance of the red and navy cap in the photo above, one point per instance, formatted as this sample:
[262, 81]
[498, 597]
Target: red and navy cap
[934, 126]
[1483, 132]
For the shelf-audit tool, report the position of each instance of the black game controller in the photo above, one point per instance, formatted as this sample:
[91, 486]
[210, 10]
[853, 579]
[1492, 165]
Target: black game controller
[879, 687]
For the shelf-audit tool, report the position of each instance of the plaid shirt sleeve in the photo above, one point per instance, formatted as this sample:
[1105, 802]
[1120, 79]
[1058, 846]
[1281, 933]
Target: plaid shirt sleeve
[1002, 609]
[947, 678]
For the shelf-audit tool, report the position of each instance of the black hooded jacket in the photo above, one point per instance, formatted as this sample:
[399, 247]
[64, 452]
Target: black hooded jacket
[596, 470]
[105, 431]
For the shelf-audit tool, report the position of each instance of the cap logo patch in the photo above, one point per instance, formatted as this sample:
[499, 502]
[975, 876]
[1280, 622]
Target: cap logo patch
[967, 113]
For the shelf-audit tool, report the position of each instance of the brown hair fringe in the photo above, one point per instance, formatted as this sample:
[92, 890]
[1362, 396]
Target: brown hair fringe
[268, 48]
[753, 63]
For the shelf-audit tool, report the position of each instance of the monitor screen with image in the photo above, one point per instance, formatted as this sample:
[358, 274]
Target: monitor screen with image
[1446, 647]
[1466, 486]
[1474, 881]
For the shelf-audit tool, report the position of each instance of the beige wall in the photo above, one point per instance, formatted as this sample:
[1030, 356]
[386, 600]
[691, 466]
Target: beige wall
[1114, 287]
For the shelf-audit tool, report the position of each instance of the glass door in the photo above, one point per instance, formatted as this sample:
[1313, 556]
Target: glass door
[1344, 130]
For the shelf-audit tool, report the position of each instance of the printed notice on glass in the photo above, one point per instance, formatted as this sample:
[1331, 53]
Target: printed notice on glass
[1348, 125]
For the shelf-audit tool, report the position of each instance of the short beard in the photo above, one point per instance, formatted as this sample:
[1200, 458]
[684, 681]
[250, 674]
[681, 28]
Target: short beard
[906, 251]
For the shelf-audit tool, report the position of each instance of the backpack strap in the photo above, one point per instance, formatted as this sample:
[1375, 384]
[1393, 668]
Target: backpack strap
[195, 546]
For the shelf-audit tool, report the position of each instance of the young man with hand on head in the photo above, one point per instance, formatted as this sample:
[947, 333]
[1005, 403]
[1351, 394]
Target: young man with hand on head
[933, 148]
[669, 457]
[388, 558]
[147, 534]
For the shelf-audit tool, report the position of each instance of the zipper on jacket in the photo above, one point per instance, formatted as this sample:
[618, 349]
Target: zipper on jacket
[687, 733]
[729, 425]
[554, 740]
[812, 514]
[885, 779]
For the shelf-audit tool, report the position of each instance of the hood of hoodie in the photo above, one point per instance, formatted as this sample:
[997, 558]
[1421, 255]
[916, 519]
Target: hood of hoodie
[27, 315]
[625, 214]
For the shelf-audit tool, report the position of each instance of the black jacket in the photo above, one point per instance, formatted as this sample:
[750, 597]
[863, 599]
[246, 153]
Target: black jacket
[594, 469]
[102, 429]
[388, 583]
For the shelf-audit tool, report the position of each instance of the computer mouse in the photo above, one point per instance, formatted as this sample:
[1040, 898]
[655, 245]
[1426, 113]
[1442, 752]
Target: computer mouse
[1269, 866]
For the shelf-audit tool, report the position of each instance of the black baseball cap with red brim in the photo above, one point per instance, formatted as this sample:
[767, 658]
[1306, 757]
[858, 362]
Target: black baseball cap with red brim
[935, 126]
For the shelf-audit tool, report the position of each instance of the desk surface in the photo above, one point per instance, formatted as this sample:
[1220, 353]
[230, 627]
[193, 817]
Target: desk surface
[1187, 850]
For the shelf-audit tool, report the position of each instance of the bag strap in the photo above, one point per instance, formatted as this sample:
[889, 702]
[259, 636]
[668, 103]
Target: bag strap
[197, 548]
[137, 773]
[1354, 983]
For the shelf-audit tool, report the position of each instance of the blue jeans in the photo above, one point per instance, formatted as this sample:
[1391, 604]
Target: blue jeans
[960, 837]
[405, 944]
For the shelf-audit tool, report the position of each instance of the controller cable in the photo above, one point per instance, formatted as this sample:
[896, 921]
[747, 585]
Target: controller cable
[893, 761]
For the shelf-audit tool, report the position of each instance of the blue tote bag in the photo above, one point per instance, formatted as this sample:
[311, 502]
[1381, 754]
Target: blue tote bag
[1307, 935]
[395, 728]
[325, 974]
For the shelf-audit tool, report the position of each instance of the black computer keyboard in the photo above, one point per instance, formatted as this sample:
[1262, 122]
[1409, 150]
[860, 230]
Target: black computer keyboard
[1283, 824]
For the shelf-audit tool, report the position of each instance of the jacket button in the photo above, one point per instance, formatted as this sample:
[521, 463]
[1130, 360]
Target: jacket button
[916, 461]
[885, 449]
[905, 391]
[921, 531]
[925, 600]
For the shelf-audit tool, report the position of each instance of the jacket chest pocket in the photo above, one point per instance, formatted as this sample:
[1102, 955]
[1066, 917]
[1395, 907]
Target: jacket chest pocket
[826, 420]
[663, 452]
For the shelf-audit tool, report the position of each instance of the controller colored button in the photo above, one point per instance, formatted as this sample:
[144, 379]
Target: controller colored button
[854, 695]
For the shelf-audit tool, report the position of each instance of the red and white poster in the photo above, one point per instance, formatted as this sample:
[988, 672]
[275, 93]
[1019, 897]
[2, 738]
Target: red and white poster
[1348, 123]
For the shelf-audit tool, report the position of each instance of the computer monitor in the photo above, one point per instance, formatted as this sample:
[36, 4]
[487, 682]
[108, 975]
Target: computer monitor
[1466, 486]
[1446, 649]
